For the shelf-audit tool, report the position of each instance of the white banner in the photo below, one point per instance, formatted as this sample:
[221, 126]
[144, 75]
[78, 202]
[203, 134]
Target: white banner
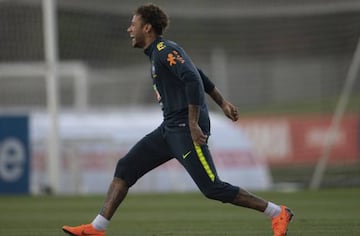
[92, 143]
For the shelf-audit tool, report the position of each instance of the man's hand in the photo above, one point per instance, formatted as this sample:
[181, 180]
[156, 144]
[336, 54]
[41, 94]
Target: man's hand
[230, 110]
[197, 135]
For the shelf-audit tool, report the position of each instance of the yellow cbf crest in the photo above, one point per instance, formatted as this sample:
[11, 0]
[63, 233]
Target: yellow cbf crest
[160, 46]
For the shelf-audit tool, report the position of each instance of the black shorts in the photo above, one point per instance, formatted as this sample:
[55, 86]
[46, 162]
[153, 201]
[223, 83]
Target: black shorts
[165, 143]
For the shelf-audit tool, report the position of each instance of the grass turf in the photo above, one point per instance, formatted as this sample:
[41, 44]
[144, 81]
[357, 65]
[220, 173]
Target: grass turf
[325, 212]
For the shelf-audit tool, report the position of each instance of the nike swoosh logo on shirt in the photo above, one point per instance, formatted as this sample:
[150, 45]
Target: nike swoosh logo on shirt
[186, 155]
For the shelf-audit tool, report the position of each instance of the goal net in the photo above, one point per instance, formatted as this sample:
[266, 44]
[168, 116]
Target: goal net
[284, 64]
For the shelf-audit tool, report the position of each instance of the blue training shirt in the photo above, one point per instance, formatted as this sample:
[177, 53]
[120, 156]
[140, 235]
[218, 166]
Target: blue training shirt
[177, 82]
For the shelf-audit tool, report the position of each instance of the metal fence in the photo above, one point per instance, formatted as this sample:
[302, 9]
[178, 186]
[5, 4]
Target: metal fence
[259, 53]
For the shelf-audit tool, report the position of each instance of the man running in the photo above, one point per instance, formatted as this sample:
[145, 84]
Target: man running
[180, 89]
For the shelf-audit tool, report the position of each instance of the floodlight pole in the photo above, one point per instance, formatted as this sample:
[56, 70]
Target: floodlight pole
[335, 123]
[51, 64]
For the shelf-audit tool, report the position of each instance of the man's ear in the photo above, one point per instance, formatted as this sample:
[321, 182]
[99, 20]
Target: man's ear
[148, 28]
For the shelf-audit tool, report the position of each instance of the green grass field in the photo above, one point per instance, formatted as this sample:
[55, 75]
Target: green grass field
[326, 212]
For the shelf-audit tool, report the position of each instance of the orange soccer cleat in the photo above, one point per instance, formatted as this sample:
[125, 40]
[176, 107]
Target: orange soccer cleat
[280, 223]
[83, 230]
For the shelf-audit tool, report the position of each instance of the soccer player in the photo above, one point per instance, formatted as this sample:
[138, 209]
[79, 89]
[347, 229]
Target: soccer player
[180, 89]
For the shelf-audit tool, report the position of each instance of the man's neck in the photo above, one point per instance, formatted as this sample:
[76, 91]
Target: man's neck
[150, 40]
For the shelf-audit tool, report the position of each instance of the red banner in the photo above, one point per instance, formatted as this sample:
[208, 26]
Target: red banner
[301, 139]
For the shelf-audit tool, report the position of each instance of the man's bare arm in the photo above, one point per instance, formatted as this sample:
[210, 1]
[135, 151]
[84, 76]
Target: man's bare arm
[229, 109]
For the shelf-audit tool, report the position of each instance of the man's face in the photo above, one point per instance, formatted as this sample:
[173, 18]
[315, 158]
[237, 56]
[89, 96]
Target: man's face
[136, 31]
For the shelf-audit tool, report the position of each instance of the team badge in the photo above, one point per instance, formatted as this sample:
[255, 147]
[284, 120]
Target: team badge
[160, 46]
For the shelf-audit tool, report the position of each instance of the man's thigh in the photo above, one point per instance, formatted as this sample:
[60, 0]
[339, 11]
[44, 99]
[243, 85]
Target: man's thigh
[196, 159]
[147, 154]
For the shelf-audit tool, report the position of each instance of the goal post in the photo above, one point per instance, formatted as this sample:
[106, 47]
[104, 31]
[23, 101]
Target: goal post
[51, 61]
[353, 73]
[77, 71]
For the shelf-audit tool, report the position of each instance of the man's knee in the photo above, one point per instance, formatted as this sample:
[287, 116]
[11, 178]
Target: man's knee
[125, 172]
[223, 192]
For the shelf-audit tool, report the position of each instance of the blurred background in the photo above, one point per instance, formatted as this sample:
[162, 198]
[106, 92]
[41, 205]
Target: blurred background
[290, 66]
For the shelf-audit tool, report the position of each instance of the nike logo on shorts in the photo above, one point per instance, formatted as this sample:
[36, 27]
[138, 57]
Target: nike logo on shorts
[186, 155]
